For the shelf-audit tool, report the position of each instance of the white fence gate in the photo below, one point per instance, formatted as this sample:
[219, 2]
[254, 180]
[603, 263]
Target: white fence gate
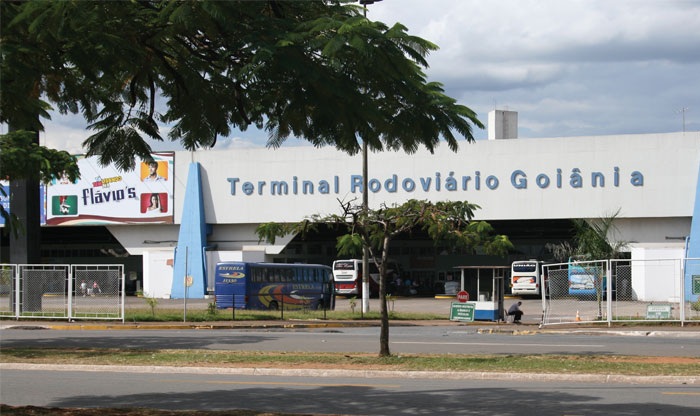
[621, 291]
[62, 291]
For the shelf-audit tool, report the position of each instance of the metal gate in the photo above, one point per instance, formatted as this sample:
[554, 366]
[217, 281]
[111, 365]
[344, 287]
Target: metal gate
[34, 291]
[618, 291]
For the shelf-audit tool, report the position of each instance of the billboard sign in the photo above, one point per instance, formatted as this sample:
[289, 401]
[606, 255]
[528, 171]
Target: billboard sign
[106, 195]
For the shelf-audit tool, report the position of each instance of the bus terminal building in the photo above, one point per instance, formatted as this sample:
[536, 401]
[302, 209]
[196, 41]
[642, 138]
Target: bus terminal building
[194, 209]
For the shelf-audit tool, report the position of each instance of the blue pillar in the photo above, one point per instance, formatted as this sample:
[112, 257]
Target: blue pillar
[190, 261]
[692, 267]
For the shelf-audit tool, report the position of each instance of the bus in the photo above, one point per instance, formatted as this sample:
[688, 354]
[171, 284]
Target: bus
[244, 285]
[347, 275]
[527, 277]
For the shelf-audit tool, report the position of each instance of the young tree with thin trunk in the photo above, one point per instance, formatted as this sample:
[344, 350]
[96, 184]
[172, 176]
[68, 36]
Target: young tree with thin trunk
[449, 222]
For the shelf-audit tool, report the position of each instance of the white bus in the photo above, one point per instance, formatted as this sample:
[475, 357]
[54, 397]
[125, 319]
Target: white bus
[526, 277]
[347, 275]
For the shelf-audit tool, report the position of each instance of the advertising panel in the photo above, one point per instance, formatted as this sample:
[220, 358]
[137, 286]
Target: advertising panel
[106, 195]
[5, 201]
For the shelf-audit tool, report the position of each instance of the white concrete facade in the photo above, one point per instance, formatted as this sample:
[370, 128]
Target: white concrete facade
[651, 179]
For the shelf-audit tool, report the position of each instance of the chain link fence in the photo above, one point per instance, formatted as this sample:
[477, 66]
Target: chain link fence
[62, 291]
[621, 291]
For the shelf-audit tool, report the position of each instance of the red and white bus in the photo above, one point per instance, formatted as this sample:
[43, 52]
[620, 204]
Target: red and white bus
[347, 275]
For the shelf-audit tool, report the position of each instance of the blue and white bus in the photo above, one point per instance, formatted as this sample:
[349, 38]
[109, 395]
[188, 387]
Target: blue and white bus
[243, 285]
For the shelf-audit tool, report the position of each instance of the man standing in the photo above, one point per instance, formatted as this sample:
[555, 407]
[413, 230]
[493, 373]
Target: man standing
[515, 311]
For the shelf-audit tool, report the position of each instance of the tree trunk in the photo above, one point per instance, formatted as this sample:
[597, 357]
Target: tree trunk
[384, 331]
[25, 204]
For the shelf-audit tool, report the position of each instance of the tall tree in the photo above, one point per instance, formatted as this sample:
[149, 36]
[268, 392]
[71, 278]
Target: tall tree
[449, 222]
[316, 70]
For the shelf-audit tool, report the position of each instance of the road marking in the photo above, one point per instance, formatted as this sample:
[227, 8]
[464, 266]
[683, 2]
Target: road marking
[681, 393]
[500, 344]
[281, 383]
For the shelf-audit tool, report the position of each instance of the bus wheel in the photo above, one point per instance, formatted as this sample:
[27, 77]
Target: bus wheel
[274, 306]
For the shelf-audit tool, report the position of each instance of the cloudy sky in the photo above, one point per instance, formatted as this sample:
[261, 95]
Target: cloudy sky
[569, 68]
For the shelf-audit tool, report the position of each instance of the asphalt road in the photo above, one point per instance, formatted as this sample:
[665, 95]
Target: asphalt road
[359, 392]
[439, 339]
[362, 394]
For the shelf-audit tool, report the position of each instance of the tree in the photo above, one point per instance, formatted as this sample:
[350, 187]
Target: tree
[21, 158]
[593, 240]
[445, 222]
[315, 70]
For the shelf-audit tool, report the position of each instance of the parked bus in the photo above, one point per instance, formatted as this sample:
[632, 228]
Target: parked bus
[527, 277]
[244, 285]
[348, 277]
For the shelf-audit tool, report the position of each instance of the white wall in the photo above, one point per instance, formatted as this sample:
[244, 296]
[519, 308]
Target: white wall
[668, 164]
[158, 273]
[656, 274]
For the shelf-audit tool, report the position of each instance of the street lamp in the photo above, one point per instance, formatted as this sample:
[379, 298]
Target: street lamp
[365, 204]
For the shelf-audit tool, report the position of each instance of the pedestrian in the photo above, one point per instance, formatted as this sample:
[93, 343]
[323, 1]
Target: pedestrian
[516, 312]
[83, 287]
[95, 288]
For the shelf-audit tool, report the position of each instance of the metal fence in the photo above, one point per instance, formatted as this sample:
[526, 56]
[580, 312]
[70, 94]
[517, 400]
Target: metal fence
[311, 302]
[62, 291]
[620, 291]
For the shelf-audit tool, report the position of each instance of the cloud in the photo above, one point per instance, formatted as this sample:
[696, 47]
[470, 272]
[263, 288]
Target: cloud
[570, 68]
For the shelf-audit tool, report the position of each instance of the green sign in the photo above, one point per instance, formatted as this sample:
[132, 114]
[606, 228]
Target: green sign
[696, 284]
[462, 311]
[658, 311]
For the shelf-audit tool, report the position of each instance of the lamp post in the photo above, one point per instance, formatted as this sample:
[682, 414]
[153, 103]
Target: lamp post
[365, 205]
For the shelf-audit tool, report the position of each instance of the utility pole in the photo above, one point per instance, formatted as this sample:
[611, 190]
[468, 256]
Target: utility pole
[365, 205]
[682, 112]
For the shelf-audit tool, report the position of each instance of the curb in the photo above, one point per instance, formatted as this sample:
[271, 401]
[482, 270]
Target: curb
[522, 330]
[374, 374]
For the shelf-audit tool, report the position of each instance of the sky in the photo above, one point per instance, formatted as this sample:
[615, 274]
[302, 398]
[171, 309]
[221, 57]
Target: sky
[569, 68]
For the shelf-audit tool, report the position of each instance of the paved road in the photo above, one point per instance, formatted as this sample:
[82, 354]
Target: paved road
[451, 338]
[359, 394]
[343, 392]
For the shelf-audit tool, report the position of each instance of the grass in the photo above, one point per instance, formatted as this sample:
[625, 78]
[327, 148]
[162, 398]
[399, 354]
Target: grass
[172, 315]
[560, 364]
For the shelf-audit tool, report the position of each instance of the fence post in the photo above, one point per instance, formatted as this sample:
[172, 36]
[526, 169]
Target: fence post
[70, 293]
[325, 307]
[282, 308]
[608, 289]
[682, 294]
[17, 294]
